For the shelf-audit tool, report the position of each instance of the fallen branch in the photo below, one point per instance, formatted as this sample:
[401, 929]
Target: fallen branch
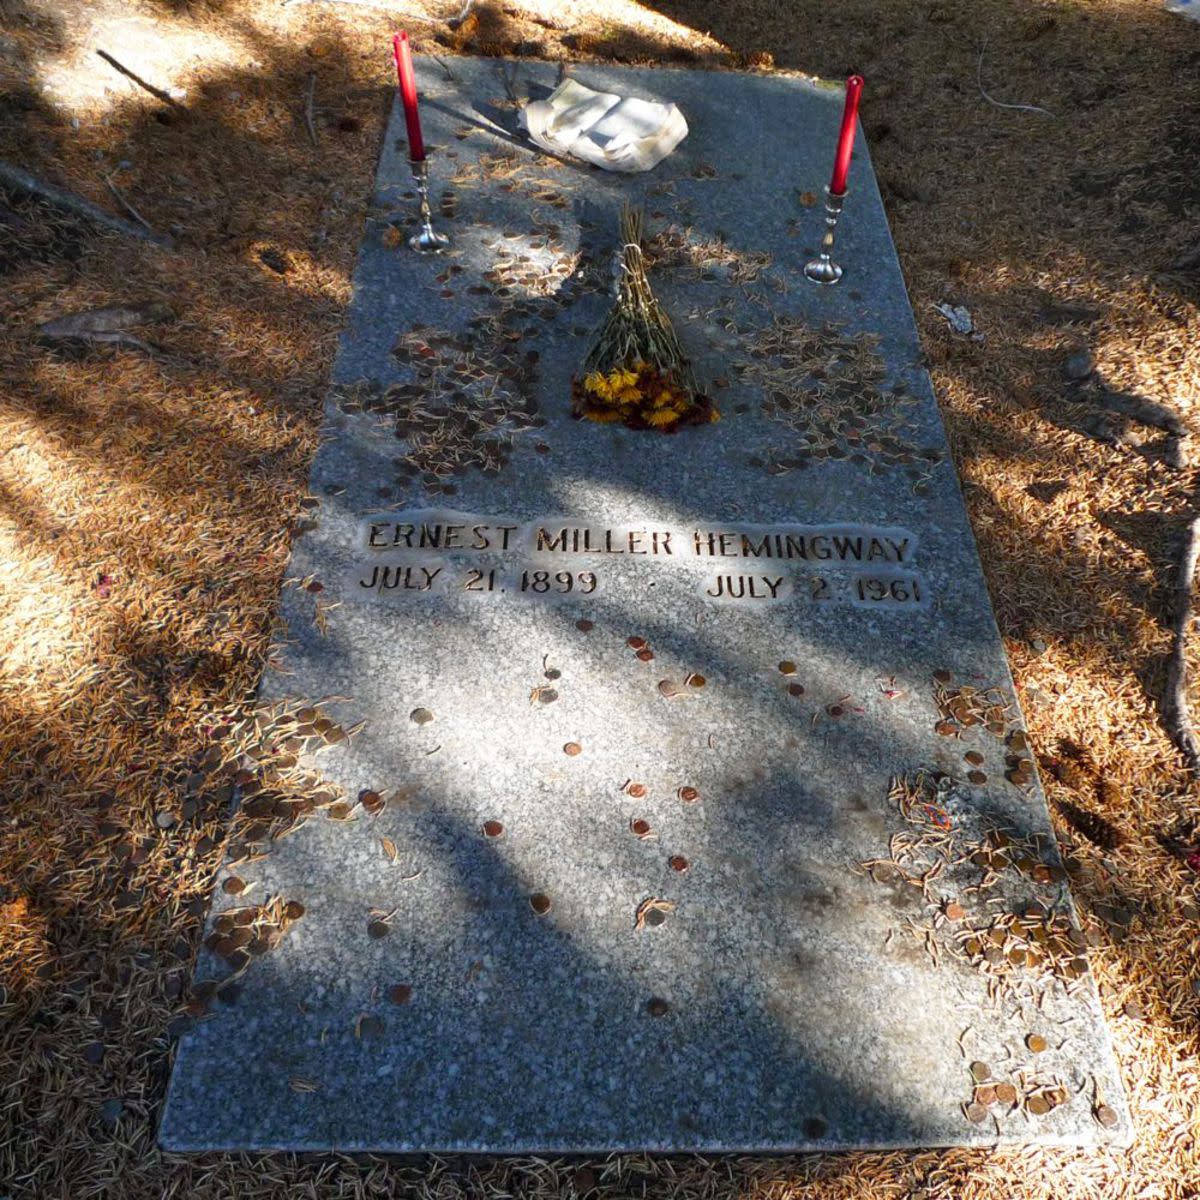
[1138, 408]
[308, 109]
[22, 181]
[1035, 108]
[158, 93]
[1176, 715]
[124, 203]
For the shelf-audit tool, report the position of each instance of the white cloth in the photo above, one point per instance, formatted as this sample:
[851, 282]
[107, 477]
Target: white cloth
[618, 134]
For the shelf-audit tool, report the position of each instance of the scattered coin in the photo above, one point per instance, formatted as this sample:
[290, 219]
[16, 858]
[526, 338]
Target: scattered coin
[233, 886]
[656, 1006]
[1106, 1115]
[584, 625]
[636, 790]
[572, 749]
[974, 758]
[975, 1112]
[689, 795]
[636, 643]
[645, 655]
[976, 777]
[1006, 1093]
[1038, 1105]
[492, 829]
[787, 667]
[678, 863]
[640, 827]
[400, 993]
[1035, 1043]
[378, 929]
[980, 1071]
[955, 911]
[795, 689]
[540, 903]
[420, 716]
[985, 1094]
[293, 910]
[695, 680]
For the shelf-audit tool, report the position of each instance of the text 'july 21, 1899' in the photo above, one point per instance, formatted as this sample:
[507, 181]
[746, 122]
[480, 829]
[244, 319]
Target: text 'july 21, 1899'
[427, 552]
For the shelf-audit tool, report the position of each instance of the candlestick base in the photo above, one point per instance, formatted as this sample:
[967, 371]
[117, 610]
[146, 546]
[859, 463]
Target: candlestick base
[823, 269]
[426, 240]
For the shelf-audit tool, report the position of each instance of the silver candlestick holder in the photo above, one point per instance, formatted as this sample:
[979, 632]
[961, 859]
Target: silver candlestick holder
[426, 240]
[823, 269]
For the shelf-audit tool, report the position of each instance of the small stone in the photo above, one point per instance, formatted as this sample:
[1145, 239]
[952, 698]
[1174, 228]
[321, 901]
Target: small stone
[1078, 365]
[165, 820]
[110, 1111]
[274, 260]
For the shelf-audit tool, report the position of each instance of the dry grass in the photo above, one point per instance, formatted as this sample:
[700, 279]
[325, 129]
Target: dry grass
[146, 503]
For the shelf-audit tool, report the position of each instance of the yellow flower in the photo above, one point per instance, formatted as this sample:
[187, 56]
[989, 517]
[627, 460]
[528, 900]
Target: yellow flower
[597, 385]
[602, 415]
[661, 417]
[665, 397]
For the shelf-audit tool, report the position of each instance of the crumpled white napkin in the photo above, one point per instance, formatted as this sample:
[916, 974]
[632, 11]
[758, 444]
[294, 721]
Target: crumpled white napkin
[616, 133]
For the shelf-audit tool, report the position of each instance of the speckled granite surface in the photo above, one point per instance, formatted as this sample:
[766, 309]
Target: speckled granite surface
[780, 992]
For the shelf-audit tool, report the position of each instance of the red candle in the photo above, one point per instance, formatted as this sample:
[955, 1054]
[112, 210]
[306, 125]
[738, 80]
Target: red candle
[408, 96]
[845, 146]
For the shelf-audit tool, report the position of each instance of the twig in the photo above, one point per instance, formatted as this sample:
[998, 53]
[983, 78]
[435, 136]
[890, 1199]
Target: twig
[464, 13]
[1036, 108]
[441, 62]
[124, 203]
[308, 108]
[16, 178]
[1176, 715]
[165, 97]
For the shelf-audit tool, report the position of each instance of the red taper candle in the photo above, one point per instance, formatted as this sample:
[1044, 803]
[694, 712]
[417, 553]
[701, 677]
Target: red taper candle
[408, 96]
[845, 146]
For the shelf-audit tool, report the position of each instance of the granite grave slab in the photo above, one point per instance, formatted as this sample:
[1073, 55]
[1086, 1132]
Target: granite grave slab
[616, 791]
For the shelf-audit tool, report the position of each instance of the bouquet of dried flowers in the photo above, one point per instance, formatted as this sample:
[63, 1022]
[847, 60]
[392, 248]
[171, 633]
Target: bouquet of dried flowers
[636, 372]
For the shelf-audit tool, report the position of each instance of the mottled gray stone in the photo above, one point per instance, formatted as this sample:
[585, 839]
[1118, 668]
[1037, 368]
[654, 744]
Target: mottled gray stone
[803, 1010]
